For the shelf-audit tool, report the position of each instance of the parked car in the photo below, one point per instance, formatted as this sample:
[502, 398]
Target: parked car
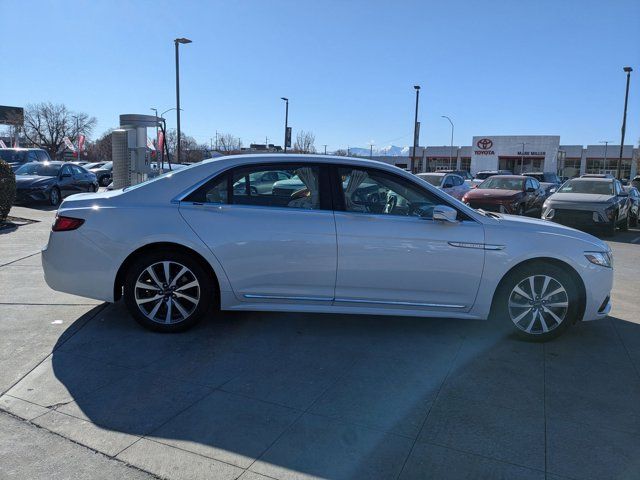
[463, 173]
[483, 175]
[634, 205]
[513, 194]
[17, 157]
[103, 173]
[89, 166]
[550, 181]
[449, 183]
[52, 181]
[636, 182]
[192, 242]
[590, 202]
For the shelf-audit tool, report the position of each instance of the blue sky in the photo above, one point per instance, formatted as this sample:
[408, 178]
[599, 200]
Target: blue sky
[348, 67]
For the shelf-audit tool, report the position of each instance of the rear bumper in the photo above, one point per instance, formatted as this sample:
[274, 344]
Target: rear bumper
[73, 264]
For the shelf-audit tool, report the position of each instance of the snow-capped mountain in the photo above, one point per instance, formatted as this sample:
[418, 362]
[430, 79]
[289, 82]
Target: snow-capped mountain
[389, 151]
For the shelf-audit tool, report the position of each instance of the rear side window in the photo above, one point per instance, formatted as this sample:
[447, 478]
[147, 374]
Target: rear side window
[260, 186]
[289, 186]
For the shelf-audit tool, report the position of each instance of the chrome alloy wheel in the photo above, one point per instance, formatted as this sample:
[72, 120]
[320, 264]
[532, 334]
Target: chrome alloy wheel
[167, 292]
[538, 304]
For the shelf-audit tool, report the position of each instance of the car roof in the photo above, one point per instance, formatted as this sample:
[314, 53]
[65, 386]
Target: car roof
[23, 149]
[52, 162]
[592, 179]
[435, 174]
[513, 177]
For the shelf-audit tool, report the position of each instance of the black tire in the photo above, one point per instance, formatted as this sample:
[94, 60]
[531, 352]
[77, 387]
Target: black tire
[634, 221]
[104, 181]
[610, 228]
[55, 197]
[206, 290]
[520, 210]
[503, 313]
[624, 225]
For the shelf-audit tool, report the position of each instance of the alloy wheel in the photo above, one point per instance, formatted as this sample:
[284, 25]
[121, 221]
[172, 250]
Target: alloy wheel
[167, 292]
[538, 304]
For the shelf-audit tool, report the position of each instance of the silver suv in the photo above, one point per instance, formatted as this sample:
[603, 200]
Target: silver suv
[586, 203]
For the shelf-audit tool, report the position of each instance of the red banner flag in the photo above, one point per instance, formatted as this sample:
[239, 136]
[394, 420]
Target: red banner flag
[160, 141]
[80, 142]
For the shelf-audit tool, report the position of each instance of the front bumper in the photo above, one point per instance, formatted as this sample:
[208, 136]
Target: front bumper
[27, 195]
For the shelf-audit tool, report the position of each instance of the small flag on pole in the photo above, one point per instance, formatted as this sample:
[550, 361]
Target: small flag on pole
[2, 144]
[68, 144]
[150, 145]
[80, 142]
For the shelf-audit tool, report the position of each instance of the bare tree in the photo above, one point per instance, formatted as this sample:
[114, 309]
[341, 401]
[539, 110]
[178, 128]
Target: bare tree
[304, 142]
[100, 150]
[228, 143]
[340, 152]
[46, 125]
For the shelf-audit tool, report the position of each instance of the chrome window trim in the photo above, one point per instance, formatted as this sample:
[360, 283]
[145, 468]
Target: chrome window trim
[407, 304]
[283, 297]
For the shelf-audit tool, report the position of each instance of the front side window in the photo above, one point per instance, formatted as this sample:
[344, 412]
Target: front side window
[372, 191]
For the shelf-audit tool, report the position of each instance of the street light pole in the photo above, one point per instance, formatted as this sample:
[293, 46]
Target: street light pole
[286, 121]
[157, 153]
[451, 150]
[624, 121]
[177, 43]
[606, 144]
[415, 130]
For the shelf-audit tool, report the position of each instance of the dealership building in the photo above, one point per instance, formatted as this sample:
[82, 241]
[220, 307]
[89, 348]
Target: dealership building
[523, 153]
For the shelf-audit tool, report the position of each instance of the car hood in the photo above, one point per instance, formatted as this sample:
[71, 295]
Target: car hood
[31, 181]
[546, 227]
[580, 198]
[491, 194]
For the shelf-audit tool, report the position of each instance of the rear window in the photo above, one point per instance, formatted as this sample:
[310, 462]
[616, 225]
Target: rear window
[12, 156]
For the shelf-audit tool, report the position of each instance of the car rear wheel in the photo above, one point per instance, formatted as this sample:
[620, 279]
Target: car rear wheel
[540, 301]
[624, 225]
[520, 210]
[54, 197]
[634, 221]
[168, 291]
[104, 181]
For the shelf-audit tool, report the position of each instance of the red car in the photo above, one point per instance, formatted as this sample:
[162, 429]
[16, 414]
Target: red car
[512, 194]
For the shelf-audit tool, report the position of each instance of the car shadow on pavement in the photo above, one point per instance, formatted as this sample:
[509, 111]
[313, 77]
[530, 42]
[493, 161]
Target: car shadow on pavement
[340, 396]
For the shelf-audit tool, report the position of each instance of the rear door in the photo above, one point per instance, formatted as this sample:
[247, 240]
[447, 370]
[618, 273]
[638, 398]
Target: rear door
[275, 246]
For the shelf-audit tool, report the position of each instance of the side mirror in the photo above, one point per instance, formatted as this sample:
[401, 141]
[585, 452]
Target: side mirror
[444, 213]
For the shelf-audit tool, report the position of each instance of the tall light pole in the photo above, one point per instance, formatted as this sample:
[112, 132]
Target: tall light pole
[451, 150]
[286, 122]
[177, 43]
[521, 157]
[624, 120]
[155, 110]
[606, 144]
[415, 130]
[77, 134]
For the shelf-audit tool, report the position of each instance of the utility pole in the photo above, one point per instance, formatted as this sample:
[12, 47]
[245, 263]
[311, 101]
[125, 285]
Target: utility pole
[325, 149]
[371, 151]
[177, 43]
[624, 122]
[286, 122]
[606, 144]
[415, 130]
[451, 149]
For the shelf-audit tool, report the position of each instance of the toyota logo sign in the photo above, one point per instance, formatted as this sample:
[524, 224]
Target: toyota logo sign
[484, 144]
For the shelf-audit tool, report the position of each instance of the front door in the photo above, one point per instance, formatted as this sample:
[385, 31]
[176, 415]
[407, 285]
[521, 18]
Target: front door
[276, 242]
[391, 253]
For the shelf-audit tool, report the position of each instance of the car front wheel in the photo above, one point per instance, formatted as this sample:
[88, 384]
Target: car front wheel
[167, 291]
[540, 301]
[54, 197]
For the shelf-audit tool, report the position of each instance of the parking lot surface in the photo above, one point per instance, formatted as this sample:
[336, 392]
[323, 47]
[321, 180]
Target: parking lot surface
[288, 396]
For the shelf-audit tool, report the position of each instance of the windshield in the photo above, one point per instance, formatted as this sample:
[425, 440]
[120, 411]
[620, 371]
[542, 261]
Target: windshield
[12, 155]
[434, 180]
[484, 175]
[497, 183]
[596, 187]
[40, 169]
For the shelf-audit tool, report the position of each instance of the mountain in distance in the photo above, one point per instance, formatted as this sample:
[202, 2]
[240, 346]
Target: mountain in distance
[389, 151]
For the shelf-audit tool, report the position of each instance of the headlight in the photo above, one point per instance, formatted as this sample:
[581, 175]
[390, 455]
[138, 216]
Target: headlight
[604, 259]
[41, 187]
[545, 205]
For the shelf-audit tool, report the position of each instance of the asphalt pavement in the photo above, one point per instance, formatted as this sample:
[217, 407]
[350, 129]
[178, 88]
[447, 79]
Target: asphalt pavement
[288, 396]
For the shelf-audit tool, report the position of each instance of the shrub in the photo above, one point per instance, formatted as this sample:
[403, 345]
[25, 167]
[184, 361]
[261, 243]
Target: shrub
[7, 189]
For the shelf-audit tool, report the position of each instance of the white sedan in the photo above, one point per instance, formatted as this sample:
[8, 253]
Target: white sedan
[355, 237]
[449, 183]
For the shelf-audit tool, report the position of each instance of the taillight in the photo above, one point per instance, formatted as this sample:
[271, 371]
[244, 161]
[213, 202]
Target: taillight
[64, 224]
